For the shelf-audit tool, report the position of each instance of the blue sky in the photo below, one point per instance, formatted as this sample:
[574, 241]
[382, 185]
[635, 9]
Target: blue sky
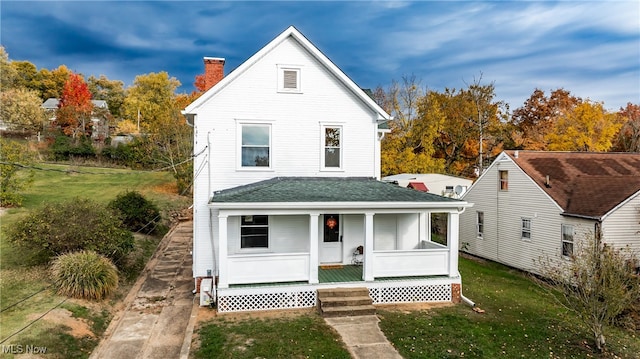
[591, 48]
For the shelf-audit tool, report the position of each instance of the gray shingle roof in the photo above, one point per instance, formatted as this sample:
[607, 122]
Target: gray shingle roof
[323, 189]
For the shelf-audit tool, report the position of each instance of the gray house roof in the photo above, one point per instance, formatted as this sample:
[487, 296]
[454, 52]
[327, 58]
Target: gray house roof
[52, 104]
[324, 189]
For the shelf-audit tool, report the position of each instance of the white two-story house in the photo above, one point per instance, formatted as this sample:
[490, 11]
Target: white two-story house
[287, 197]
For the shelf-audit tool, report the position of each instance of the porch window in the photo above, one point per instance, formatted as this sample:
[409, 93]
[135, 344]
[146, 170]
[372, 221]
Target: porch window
[504, 180]
[480, 224]
[567, 240]
[254, 232]
[256, 144]
[332, 151]
[526, 229]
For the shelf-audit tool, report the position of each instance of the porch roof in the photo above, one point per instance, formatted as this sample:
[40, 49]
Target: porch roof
[325, 189]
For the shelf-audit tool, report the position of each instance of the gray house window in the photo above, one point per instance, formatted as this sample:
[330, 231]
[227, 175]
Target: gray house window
[480, 224]
[526, 229]
[567, 240]
[332, 144]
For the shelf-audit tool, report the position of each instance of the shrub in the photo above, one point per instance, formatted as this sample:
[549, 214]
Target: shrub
[79, 224]
[85, 275]
[137, 213]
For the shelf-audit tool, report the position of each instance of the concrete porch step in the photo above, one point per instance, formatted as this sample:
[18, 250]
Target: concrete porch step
[343, 302]
[348, 311]
[346, 301]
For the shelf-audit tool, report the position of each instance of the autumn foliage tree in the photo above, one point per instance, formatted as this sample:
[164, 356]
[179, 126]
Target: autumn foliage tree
[628, 138]
[74, 111]
[586, 127]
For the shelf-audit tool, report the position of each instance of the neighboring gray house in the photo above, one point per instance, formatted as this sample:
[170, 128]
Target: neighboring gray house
[99, 122]
[529, 204]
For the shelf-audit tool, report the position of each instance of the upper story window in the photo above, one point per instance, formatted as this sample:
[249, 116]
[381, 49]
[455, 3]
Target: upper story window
[289, 79]
[526, 229]
[255, 145]
[254, 232]
[504, 180]
[332, 147]
[480, 224]
[567, 240]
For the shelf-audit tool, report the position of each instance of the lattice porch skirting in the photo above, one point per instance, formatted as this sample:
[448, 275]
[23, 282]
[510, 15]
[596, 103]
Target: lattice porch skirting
[306, 296]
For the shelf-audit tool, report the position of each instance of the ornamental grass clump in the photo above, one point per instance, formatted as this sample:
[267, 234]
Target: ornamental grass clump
[85, 274]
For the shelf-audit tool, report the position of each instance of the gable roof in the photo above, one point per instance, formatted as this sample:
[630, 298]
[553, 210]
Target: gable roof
[314, 51]
[326, 189]
[52, 103]
[584, 184]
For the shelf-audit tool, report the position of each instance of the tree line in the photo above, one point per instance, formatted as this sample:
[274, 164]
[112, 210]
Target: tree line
[460, 131]
[147, 113]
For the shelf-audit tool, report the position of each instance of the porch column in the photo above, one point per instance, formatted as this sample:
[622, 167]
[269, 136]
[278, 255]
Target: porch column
[424, 227]
[367, 270]
[452, 242]
[223, 277]
[313, 248]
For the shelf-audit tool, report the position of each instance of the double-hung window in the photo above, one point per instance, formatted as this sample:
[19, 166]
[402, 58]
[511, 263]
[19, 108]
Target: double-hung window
[567, 240]
[255, 145]
[332, 147]
[254, 232]
[526, 229]
[504, 180]
[480, 224]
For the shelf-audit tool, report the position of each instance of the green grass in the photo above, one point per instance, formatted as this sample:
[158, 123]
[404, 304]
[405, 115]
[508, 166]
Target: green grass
[520, 321]
[20, 279]
[304, 336]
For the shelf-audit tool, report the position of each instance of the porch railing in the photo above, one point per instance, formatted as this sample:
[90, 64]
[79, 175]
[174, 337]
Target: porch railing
[268, 267]
[422, 262]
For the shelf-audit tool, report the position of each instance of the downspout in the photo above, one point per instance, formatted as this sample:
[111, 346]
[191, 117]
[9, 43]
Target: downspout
[210, 193]
[466, 300]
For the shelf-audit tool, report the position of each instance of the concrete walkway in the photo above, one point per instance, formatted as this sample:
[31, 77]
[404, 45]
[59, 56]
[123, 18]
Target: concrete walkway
[158, 317]
[363, 337]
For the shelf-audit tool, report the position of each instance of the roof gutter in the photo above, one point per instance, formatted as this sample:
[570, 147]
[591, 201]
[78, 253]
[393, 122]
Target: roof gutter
[459, 206]
[594, 218]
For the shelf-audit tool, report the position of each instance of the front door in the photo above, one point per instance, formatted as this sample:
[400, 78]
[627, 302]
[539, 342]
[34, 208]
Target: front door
[331, 245]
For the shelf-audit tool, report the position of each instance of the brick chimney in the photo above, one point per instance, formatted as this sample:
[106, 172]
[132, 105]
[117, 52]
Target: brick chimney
[213, 71]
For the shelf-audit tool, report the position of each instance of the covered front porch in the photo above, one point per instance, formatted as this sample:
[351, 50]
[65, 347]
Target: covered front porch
[270, 249]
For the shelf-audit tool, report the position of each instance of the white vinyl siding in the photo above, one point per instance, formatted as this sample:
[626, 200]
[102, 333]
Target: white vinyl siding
[621, 227]
[295, 138]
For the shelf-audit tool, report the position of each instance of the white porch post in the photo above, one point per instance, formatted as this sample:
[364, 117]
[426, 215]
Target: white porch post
[313, 247]
[223, 276]
[367, 272]
[424, 227]
[452, 242]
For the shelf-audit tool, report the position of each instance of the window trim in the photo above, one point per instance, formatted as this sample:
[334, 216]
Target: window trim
[323, 147]
[240, 126]
[562, 240]
[503, 183]
[480, 225]
[281, 70]
[526, 229]
[254, 249]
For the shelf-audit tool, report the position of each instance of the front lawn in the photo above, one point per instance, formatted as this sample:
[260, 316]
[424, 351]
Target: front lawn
[519, 321]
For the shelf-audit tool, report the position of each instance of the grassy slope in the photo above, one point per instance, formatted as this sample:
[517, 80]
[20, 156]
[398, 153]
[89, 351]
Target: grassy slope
[18, 280]
[520, 321]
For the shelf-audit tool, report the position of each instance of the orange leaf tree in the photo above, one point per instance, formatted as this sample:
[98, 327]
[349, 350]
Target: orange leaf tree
[74, 111]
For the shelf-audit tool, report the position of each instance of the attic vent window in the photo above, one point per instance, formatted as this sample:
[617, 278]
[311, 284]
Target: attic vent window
[289, 79]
